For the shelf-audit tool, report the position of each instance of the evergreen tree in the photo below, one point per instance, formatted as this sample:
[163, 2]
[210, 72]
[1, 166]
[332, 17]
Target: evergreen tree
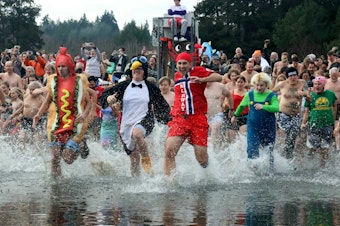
[231, 23]
[246, 23]
[304, 29]
[18, 24]
[335, 31]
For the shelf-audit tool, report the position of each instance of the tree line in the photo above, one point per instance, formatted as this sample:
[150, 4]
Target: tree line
[308, 26]
[292, 25]
[104, 32]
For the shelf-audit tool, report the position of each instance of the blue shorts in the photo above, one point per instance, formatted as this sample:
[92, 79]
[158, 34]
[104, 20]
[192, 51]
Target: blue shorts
[70, 144]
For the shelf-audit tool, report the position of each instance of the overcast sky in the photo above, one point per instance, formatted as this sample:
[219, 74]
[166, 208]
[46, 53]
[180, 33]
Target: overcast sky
[123, 10]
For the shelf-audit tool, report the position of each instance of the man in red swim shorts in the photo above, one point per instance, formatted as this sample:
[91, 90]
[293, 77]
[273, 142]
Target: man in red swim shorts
[188, 113]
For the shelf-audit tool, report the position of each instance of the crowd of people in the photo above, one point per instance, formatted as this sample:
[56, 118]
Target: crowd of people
[116, 100]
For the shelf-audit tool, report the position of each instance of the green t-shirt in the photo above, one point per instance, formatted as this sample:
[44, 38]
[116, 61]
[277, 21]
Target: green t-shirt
[321, 109]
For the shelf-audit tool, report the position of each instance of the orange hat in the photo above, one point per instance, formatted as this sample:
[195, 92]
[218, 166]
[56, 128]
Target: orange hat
[65, 59]
[257, 53]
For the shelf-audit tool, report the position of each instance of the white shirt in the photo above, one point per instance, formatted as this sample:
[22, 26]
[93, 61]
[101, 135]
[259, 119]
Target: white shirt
[135, 107]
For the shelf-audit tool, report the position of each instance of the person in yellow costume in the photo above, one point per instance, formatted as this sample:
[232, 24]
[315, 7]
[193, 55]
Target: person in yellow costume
[68, 106]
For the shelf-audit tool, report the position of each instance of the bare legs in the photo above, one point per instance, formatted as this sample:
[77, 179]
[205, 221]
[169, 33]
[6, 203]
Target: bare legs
[140, 153]
[67, 154]
[173, 145]
[216, 135]
[337, 137]
[55, 161]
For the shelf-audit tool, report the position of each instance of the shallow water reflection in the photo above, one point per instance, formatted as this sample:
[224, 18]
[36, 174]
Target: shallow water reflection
[100, 190]
[27, 200]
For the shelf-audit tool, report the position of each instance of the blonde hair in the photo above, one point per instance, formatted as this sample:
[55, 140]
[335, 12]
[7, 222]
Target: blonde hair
[261, 77]
[34, 85]
[30, 68]
[19, 92]
[51, 66]
[280, 76]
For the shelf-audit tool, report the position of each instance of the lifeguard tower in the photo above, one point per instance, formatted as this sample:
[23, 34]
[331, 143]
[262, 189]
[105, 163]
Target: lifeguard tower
[163, 33]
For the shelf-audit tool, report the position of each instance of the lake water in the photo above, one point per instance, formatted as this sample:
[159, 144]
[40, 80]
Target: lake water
[100, 191]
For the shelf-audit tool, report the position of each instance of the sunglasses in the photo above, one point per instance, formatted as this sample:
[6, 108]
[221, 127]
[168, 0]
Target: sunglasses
[142, 59]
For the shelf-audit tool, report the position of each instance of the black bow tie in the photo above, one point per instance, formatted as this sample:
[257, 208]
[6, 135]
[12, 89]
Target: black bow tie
[135, 85]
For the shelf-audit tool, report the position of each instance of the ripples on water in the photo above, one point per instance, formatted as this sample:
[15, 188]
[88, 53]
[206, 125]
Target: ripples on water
[100, 191]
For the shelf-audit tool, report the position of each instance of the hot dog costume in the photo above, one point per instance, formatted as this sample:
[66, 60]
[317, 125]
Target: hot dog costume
[68, 96]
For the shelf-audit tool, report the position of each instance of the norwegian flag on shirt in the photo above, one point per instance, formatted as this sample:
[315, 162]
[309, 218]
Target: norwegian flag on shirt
[189, 96]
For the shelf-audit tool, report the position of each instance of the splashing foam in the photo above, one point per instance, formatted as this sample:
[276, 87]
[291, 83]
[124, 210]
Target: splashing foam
[227, 165]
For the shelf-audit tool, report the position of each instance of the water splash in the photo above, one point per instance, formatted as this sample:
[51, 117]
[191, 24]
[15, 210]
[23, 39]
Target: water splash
[227, 166]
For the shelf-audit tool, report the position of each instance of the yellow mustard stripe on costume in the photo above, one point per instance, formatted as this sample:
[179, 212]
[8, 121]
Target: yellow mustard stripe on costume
[63, 108]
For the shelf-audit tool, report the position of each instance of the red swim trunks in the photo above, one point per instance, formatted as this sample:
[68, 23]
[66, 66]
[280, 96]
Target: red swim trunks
[193, 127]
